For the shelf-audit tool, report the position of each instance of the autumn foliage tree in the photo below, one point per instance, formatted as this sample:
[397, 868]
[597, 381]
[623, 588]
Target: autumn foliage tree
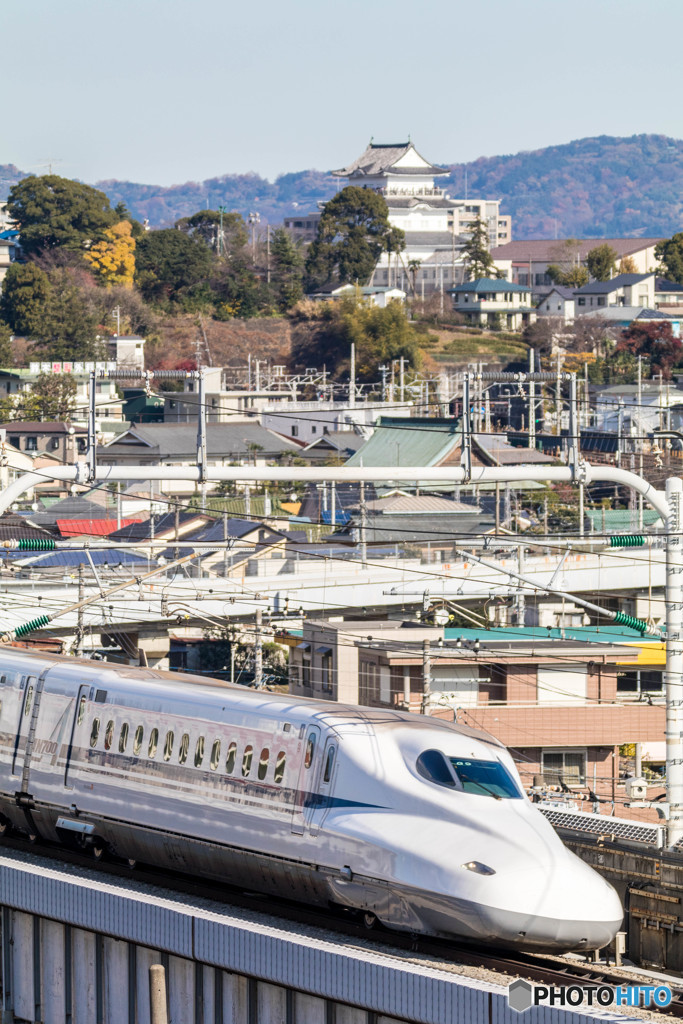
[113, 258]
[654, 341]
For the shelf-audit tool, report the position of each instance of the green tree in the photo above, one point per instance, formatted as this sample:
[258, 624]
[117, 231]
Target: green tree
[50, 398]
[53, 212]
[574, 276]
[68, 327]
[287, 271]
[206, 224]
[25, 295]
[602, 262]
[670, 255]
[353, 231]
[6, 356]
[479, 261]
[172, 268]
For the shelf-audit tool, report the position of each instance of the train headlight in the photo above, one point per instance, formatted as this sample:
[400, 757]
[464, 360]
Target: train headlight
[479, 868]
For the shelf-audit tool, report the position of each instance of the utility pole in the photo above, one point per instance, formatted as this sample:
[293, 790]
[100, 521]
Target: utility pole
[620, 429]
[268, 253]
[258, 650]
[640, 438]
[532, 402]
[521, 598]
[426, 676]
[363, 520]
[352, 377]
[402, 378]
[674, 660]
[78, 650]
[558, 396]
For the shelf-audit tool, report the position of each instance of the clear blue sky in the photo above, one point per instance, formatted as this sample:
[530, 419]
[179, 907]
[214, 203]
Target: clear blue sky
[165, 91]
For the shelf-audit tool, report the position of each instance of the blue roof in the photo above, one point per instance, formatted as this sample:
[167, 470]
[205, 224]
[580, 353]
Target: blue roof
[605, 287]
[489, 284]
[71, 558]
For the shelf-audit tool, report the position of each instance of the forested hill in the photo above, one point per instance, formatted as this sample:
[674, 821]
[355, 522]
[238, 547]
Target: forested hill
[591, 188]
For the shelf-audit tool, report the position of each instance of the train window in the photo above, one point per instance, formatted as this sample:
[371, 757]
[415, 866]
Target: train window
[184, 747]
[123, 738]
[230, 759]
[109, 735]
[246, 760]
[263, 763]
[432, 765]
[153, 743]
[280, 766]
[95, 731]
[29, 700]
[199, 752]
[81, 710]
[485, 778]
[168, 746]
[329, 764]
[137, 742]
[310, 751]
[215, 754]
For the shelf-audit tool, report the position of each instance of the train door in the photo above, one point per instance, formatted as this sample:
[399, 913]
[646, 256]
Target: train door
[27, 687]
[307, 786]
[79, 715]
[324, 795]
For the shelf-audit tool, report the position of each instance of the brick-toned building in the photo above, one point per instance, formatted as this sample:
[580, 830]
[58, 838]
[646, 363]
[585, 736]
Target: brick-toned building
[563, 706]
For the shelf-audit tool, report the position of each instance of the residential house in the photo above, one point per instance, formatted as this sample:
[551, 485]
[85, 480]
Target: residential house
[305, 422]
[668, 295]
[655, 406]
[62, 440]
[372, 295]
[108, 405]
[622, 290]
[560, 303]
[171, 444]
[334, 445]
[224, 404]
[563, 705]
[526, 262]
[488, 302]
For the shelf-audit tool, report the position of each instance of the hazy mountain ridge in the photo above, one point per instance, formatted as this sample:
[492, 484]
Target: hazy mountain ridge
[590, 188]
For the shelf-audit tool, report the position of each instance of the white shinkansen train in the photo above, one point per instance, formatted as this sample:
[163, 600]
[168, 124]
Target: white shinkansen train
[419, 823]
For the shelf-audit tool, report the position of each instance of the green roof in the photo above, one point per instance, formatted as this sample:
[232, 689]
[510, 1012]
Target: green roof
[610, 520]
[408, 442]
[489, 284]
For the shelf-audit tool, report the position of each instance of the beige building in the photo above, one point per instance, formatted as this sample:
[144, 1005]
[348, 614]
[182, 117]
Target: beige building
[488, 302]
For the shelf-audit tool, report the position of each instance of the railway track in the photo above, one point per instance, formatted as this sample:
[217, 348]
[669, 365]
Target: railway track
[546, 970]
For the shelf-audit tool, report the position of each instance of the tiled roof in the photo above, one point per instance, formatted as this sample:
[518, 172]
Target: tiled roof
[605, 287]
[91, 527]
[488, 284]
[68, 508]
[41, 427]
[138, 530]
[100, 556]
[546, 249]
[496, 449]
[412, 504]
[378, 159]
[664, 285]
[179, 440]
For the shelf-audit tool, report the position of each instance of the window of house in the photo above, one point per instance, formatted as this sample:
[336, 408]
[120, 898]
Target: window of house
[184, 748]
[153, 743]
[263, 763]
[640, 681]
[95, 731]
[564, 767]
[54, 443]
[295, 430]
[230, 759]
[601, 300]
[280, 762]
[215, 755]
[314, 429]
[123, 738]
[15, 440]
[109, 735]
[168, 745]
[581, 300]
[199, 752]
[246, 760]
[368, 682]
[31, 443]
[137, 742]
[326, 672]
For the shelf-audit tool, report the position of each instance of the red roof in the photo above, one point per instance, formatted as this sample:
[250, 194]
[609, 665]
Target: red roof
[92, 527]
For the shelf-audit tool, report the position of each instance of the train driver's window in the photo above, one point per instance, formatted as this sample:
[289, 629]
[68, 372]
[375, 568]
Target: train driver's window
[230, 759]
[432, 765]
[263, 763]
[280, 767]
[183, 749]
[153, 743]
[168, 746]
[29, 698]
[199, 752]
[123, 738]
[310, 751]
[215, 754]
[329, 764]
[109, 735]
[246, 760]
[95, 731]
[137, 742]
[81, 710]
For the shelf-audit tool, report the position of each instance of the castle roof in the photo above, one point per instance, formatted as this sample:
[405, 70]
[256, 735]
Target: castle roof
[394, 158]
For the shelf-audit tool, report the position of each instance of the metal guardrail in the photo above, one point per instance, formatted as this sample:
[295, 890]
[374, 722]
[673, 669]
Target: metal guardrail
[601, 824]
